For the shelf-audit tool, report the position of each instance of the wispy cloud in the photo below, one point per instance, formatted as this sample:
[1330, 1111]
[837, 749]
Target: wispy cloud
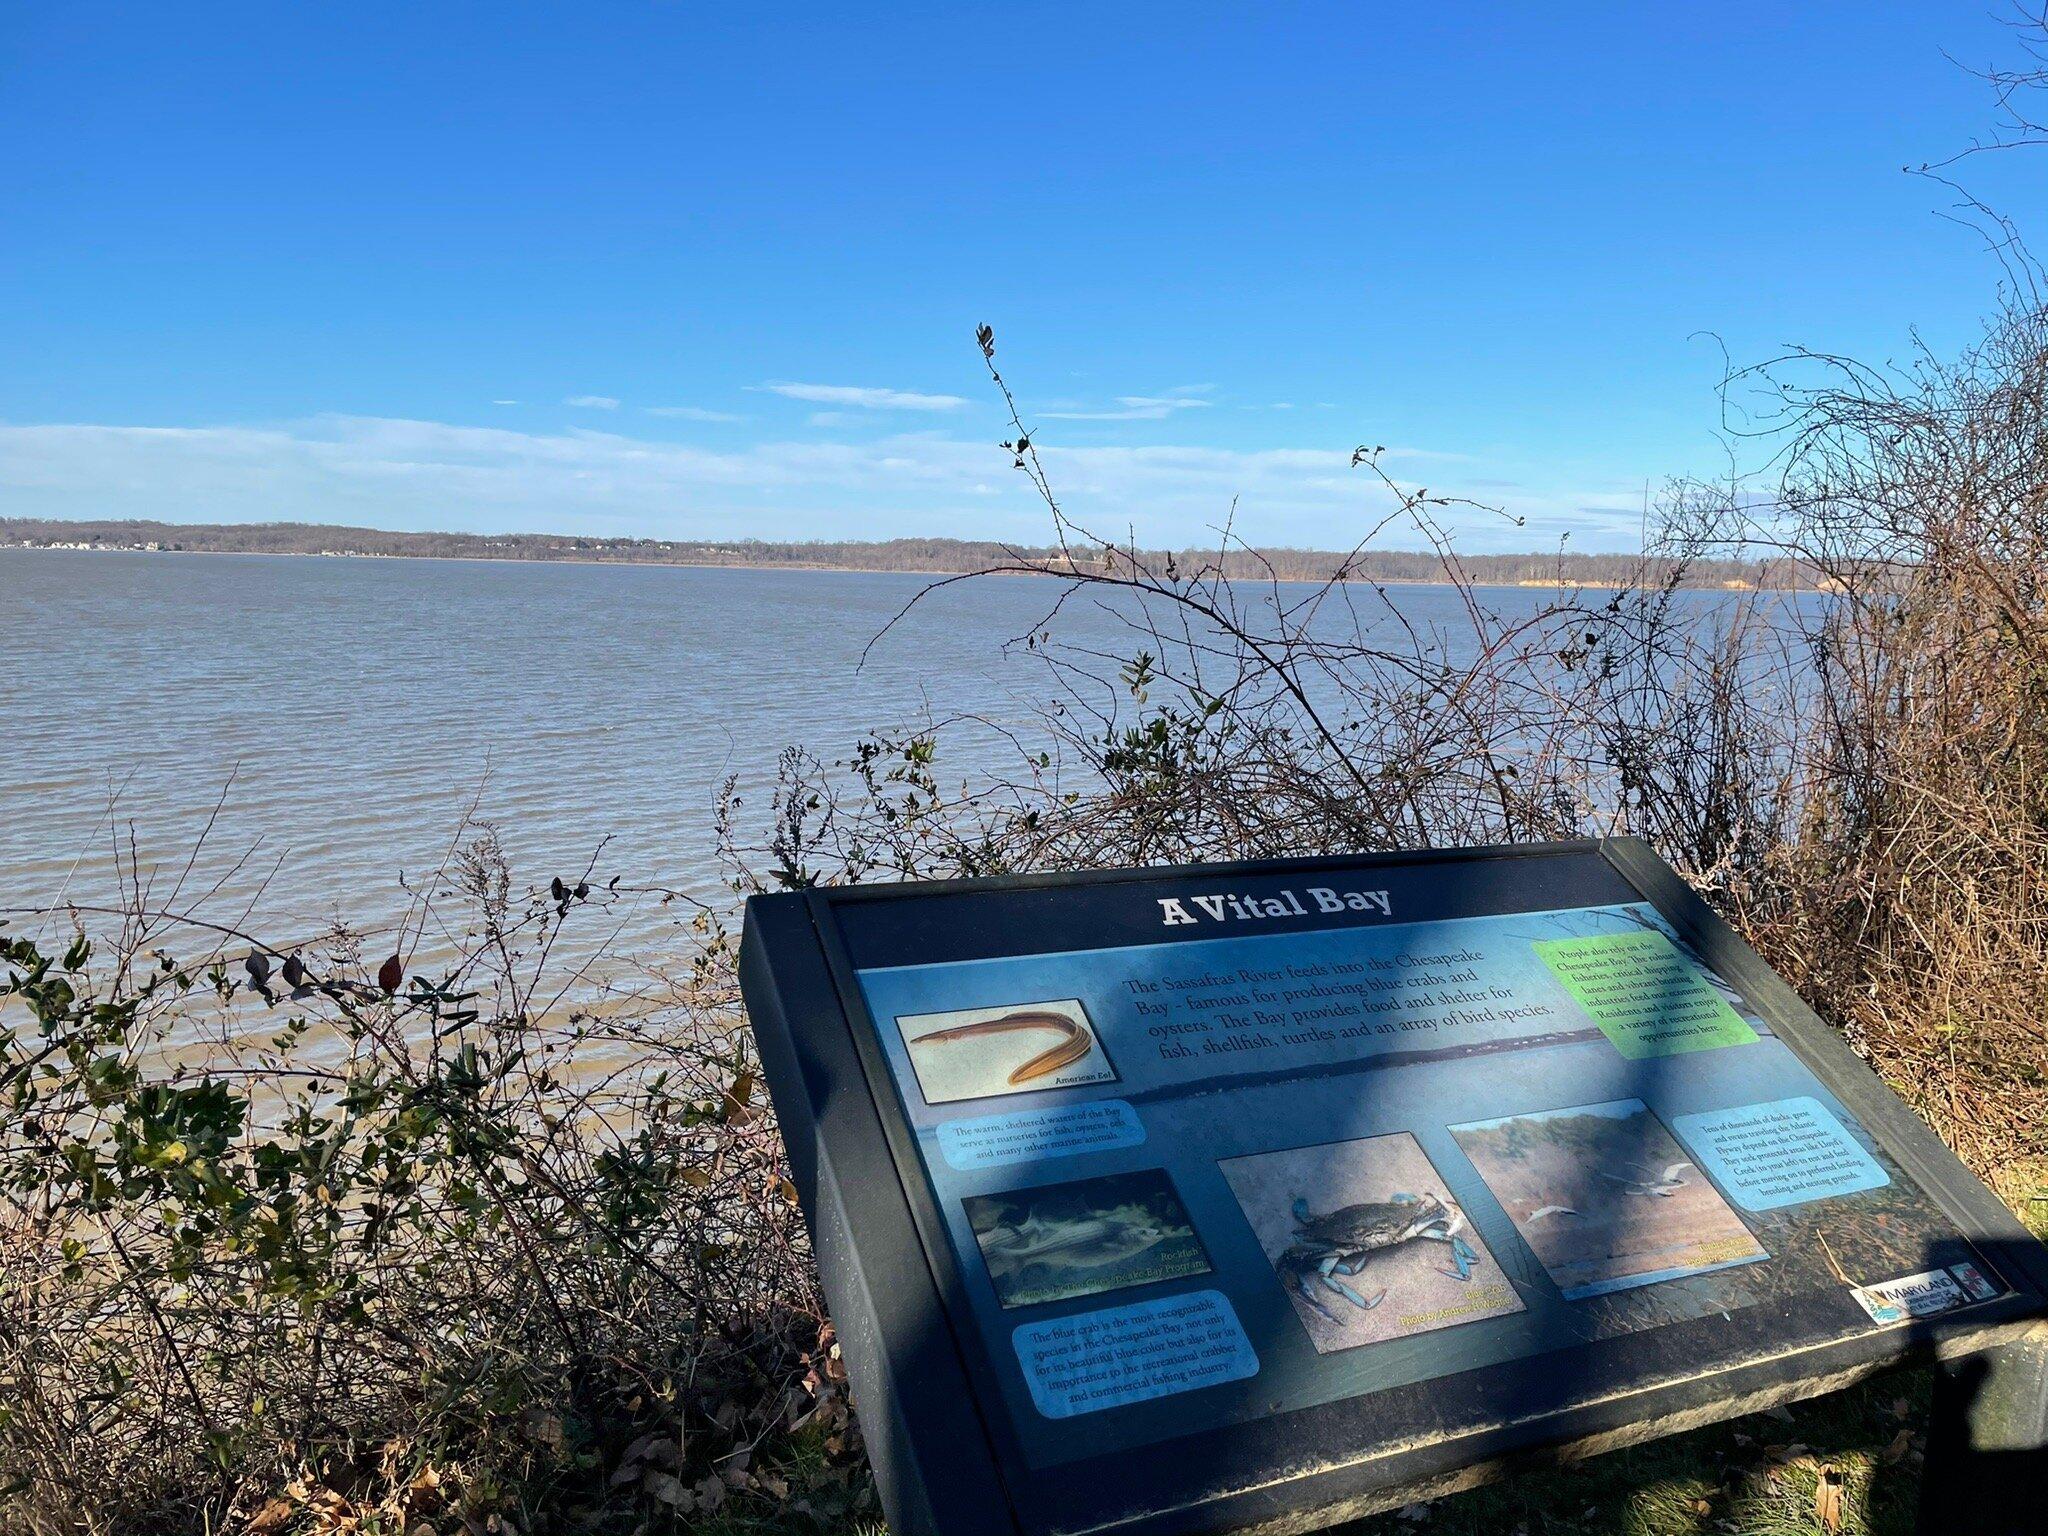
[504, 402]
[1130, 408]
[691, 413]
[866, 398]
[1185, 397]
[397, 473]
[1168, 403]
[593, 402]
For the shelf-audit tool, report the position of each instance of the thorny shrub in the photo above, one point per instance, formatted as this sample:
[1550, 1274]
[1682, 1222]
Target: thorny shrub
[306, 1241]
[1851, 761]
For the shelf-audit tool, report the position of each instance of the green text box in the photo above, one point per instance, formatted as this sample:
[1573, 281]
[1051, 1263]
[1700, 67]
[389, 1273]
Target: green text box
[1646, 997]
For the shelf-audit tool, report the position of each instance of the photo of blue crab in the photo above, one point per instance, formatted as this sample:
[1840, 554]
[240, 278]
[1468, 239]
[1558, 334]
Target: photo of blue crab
[1333, 1248]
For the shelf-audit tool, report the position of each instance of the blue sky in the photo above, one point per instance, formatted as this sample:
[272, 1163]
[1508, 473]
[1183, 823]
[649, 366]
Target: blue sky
[699, 271]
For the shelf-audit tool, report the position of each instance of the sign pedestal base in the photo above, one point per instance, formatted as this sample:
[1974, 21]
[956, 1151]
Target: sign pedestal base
[1987, 1443]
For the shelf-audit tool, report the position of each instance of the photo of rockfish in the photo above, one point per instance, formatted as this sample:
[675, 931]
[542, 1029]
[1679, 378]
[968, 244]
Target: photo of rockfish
[1064, 1240]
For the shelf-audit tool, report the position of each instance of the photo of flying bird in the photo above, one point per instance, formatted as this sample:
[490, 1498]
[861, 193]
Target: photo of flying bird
[1664, 1185]
[1606, 1197]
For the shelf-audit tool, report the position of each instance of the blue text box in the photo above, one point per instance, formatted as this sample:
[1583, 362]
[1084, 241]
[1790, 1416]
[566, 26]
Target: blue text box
[1118, 1355]
[1039, 1135]
[1786, 1152]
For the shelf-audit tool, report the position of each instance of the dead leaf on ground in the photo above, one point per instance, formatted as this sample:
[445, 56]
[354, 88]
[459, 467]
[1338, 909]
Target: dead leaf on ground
[1827, 1499]
[670, 1491]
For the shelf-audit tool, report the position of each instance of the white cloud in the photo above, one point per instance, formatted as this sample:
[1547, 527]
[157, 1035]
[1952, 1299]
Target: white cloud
[594, 402]
[1128, 415]
[397, 473]
[504, 402]
[1140, 407]
[866, 398]
[1162, 402]
[691, 413]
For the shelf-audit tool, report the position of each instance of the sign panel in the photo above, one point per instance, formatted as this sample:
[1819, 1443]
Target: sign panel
[1196, 1157]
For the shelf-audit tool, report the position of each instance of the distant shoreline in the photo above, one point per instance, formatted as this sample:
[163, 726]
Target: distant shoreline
[648, 564]
[936, 559]
[562, 559]
[1527, 583]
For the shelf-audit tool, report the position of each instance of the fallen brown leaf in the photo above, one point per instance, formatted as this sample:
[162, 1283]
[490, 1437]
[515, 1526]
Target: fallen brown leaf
[1827, 1499]
[670, 1491]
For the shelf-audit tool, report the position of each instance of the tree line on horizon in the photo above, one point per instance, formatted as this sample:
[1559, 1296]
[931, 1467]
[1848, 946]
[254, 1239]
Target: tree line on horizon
[923, 556]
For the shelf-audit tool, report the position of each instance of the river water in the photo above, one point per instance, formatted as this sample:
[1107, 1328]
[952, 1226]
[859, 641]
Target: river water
[355, 709]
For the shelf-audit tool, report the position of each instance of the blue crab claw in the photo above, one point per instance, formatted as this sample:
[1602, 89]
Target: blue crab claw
[1462, 1256]
[1300, 1210]
[1363, 1303]
[1402, 1197]
[1302, 1288]
[1330, 1269]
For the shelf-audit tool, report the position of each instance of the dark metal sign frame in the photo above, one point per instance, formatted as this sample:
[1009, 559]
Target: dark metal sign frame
[945, 1452]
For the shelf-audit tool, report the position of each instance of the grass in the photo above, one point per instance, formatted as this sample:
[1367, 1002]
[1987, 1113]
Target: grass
[1757, 1476]
[2022, 1183]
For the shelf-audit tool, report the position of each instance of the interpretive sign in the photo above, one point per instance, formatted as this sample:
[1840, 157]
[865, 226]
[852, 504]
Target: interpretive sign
[1251, 1196]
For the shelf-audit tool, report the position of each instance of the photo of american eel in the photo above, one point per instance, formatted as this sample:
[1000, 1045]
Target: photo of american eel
[1076, 1040]
[1021, 1045]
